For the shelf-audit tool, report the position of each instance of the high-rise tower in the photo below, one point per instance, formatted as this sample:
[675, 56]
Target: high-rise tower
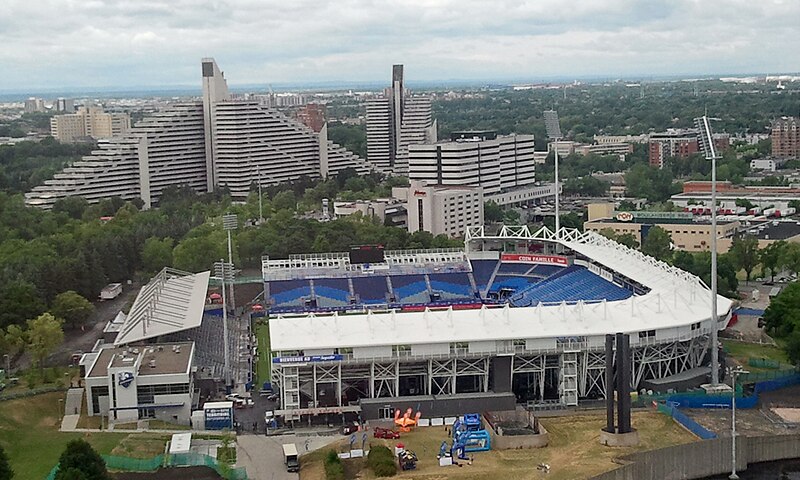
[395, 120]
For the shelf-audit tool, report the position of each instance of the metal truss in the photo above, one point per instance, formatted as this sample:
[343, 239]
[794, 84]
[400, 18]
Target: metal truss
[385, 379]
[591, 374]
[666, 359]
[442, 377]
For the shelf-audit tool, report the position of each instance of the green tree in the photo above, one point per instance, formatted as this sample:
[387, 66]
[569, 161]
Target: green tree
[492, 212]
[284, 201]
[156, 254]
[6, 473]
[15, 339]
[72, 206]
[44, 335]
[629, 240]
[18, 301]
[608, 233]
[782, 316]
[79, 455]
[772, 256]
[744, 252]
[72, 308]
[657, 243]
[791, 257]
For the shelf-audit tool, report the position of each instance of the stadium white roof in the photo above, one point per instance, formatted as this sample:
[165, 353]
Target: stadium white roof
[171, 302]
[676, 299]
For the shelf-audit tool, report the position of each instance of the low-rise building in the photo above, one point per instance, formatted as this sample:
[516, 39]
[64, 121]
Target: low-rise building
[687, 232]
[128, 383]
[89, 122]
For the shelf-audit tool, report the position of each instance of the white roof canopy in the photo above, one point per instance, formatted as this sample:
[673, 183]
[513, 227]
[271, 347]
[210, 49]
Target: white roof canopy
[171, 302]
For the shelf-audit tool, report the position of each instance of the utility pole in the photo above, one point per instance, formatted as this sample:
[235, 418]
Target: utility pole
[230, 222]
[223, 271]
[553, 128]
[260, 205]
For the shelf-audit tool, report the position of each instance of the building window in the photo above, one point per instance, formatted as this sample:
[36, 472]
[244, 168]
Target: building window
[696, 326]
[419, 214]
[647, 334]
[96, 393]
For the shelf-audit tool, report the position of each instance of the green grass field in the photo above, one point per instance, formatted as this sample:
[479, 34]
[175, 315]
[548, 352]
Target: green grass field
[29, 435]
[264, 366]
[743, 351]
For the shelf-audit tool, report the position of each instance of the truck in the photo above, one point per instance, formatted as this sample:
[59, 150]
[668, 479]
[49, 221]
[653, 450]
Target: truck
[111, 291]
[290, 457]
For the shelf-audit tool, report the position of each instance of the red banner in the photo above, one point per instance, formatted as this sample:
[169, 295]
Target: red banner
[528, 258]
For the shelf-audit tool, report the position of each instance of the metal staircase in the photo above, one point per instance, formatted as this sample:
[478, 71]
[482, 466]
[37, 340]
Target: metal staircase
[568, 386]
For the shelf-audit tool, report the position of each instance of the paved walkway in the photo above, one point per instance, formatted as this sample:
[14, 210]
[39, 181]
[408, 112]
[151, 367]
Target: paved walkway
[72, 406]
[70, 423]
[262, 456]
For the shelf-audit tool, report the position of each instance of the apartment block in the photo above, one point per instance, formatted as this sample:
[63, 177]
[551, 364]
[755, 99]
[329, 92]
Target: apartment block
[89, 122]
[786, 137]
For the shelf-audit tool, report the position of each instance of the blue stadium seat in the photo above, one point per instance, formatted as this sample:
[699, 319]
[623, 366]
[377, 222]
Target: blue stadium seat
[332, 292]
[514, 268]
[372, 289]
[452, 286]
[482, 271]
[571, 285]
[410, 289]
[289, 292]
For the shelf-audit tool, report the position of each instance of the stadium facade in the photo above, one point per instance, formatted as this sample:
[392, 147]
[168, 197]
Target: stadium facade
[215, 142]
[526, 324]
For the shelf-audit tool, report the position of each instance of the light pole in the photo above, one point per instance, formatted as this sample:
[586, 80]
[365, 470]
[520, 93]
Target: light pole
[230, 222]
[224, 271]
[734, 372]
[553, 128]
[706, 141]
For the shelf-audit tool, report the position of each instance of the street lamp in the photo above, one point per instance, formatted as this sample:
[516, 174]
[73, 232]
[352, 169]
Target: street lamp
[230, 222]
[706, 141]
[734, 372]
[553, 128]
[224, 271]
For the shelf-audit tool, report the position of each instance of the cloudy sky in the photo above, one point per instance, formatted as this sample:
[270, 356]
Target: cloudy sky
[131, 43]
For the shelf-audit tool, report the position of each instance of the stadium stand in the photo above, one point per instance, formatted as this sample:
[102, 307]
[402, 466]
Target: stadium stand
[451, 285]
[482, 271]
[411, 289]
[331, 292]
[514, 268]
[289, 292]
[371, 290]
[544, 271]
[570, 285]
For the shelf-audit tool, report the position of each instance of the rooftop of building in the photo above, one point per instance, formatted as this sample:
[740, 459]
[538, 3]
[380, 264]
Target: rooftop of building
[155, 359]
[775, 229]
[664, 221]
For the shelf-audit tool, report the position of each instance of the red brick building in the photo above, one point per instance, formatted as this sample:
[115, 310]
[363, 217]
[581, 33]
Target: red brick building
[679, 143]
[786, 137]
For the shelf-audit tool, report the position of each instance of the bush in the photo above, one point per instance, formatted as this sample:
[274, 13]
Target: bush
[381, 461]
[333, 466]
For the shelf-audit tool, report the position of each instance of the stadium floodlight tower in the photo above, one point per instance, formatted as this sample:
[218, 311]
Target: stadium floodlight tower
[224, 271]
[553, 128]
[230, 222]
[706, 141]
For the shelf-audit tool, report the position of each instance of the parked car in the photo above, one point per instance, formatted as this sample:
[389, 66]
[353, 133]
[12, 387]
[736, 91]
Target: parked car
[385, 433]
[239, 401]
[348, 429]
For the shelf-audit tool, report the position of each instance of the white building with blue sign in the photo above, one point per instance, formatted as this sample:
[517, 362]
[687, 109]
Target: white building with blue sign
[140, 382]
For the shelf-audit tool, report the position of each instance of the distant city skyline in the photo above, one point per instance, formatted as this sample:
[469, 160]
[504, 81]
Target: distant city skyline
[157, 44]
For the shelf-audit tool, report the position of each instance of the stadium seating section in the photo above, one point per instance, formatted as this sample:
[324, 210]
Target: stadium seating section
[570, 285]
[521, 284]
[371, 290]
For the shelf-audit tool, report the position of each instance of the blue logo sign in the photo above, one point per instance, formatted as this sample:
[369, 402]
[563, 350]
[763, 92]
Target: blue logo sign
[308, 359]
[125, 379]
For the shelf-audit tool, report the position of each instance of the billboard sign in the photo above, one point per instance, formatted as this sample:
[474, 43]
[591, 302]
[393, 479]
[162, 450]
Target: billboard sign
[308, 359]
[218, 418]
[533, 258]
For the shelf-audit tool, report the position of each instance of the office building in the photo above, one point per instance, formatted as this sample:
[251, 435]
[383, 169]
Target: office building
[441, 209]
[679, 143]
[89, 123]
[786, 137]
[66, 105]
[396, 120]
[129, 383]
[34, 105]
[216, 142]
[504, 166]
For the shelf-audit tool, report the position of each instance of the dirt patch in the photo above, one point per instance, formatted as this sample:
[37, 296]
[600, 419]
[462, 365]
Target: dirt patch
[790, 415]
[189, 473]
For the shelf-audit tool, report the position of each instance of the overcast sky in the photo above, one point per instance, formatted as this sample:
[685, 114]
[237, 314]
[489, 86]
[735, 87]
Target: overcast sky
[126, 43]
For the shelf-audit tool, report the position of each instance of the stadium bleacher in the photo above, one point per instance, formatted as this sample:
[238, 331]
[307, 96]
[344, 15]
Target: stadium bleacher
[332, 292]
[514, 268]
[372, 289]
[410, 289]
[289, 292]
[570, 285]
[452, 286]
[482, 272]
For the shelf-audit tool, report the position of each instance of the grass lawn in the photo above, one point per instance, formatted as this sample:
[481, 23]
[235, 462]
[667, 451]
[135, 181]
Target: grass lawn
[742, 351]
[142, 445]
[574, 451]
[263, 367]
[29, 435]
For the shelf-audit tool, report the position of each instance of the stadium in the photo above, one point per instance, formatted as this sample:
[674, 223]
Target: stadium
[515, 317]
